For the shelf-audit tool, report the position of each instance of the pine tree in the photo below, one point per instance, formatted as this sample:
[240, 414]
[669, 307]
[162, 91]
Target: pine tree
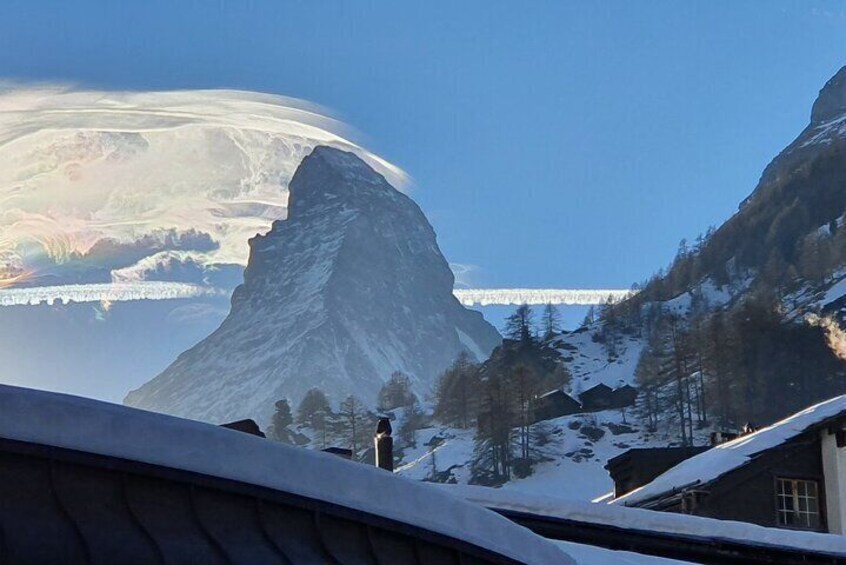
[314, 402]
[519, 326]
[590, 316]
[412, 422]
[281, 420]
[494, 433]
[524, 386]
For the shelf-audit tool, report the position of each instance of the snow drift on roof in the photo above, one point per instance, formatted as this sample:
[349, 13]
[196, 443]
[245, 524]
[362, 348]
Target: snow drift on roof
[102, 428]
[719, 460]
[648, 520]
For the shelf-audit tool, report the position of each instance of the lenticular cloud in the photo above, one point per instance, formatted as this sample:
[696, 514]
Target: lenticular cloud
[128, 187]
[109, 196]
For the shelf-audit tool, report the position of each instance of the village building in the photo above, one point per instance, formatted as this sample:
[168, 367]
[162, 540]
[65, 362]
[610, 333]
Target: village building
[623, 396]
[636, 467]
[599, 397]
[791, 474]
[603, 397]
[555, 404]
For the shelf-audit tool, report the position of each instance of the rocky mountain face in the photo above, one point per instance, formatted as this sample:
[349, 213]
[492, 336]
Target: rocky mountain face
[749, 320]
[348, 289]
[799, 194]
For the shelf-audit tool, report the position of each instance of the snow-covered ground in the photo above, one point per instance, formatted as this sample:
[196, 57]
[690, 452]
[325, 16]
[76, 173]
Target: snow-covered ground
[573, 457]
[589, 364]
[572, 450]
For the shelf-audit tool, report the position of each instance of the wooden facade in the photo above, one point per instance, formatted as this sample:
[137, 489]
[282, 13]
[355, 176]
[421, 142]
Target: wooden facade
[603, 397]
[636, 467]
[554, 405]
[749, 493]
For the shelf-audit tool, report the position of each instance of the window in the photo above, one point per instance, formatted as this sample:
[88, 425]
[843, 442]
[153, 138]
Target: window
[798, 503]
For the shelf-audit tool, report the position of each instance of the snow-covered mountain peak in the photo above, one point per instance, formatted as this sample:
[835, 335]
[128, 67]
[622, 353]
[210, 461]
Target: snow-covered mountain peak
[329, 176]
[348, 289]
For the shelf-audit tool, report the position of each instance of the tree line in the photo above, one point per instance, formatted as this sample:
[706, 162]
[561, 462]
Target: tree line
[352, 423]
[744, 364]
[497, 398]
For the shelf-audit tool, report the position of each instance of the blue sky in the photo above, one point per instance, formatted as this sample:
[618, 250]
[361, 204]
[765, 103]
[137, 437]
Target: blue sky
[552, 144]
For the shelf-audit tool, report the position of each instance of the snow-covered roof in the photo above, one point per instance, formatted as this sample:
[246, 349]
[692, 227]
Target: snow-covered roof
[101, 428]
[717, 461]
[553, 392]
[649, 520]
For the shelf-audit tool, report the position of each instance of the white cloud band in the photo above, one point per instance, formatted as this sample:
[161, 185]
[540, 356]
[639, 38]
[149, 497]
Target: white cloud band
[537, 296]
[158, 290]
[114, 292]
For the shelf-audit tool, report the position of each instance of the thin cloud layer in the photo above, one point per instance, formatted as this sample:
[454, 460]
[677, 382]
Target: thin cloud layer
[106, 294]
[538, 296]
[99, 187]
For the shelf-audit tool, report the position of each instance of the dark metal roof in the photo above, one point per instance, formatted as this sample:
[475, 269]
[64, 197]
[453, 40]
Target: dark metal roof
[65, 506]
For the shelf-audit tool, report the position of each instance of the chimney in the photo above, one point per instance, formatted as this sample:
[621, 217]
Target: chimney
[384, 444]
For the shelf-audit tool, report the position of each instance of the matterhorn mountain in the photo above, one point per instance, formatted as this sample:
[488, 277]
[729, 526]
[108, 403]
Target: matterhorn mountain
[348, 289]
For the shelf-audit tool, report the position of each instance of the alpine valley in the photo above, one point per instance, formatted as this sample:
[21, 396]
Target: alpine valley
[745, 326]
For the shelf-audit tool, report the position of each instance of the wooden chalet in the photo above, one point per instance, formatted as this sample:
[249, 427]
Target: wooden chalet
[555, 404]
[791, 474]
[637, 467]
[598, 397]
[603, 397]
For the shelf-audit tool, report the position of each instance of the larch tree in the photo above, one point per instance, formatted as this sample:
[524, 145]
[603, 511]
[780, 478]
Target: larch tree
[457, 393]
[551, 321]
[396, 392]
[354, 418]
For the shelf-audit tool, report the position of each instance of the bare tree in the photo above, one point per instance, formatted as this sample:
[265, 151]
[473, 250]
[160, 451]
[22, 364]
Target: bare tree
[354, 417]
[396, 392]
[524, 384]
[551, 321]
[457, 393]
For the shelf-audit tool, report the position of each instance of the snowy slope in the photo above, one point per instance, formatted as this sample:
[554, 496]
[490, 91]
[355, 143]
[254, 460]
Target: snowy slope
[589, 364]
[573, 458]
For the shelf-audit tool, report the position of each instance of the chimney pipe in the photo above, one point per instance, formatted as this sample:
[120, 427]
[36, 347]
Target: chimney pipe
[384, 445]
